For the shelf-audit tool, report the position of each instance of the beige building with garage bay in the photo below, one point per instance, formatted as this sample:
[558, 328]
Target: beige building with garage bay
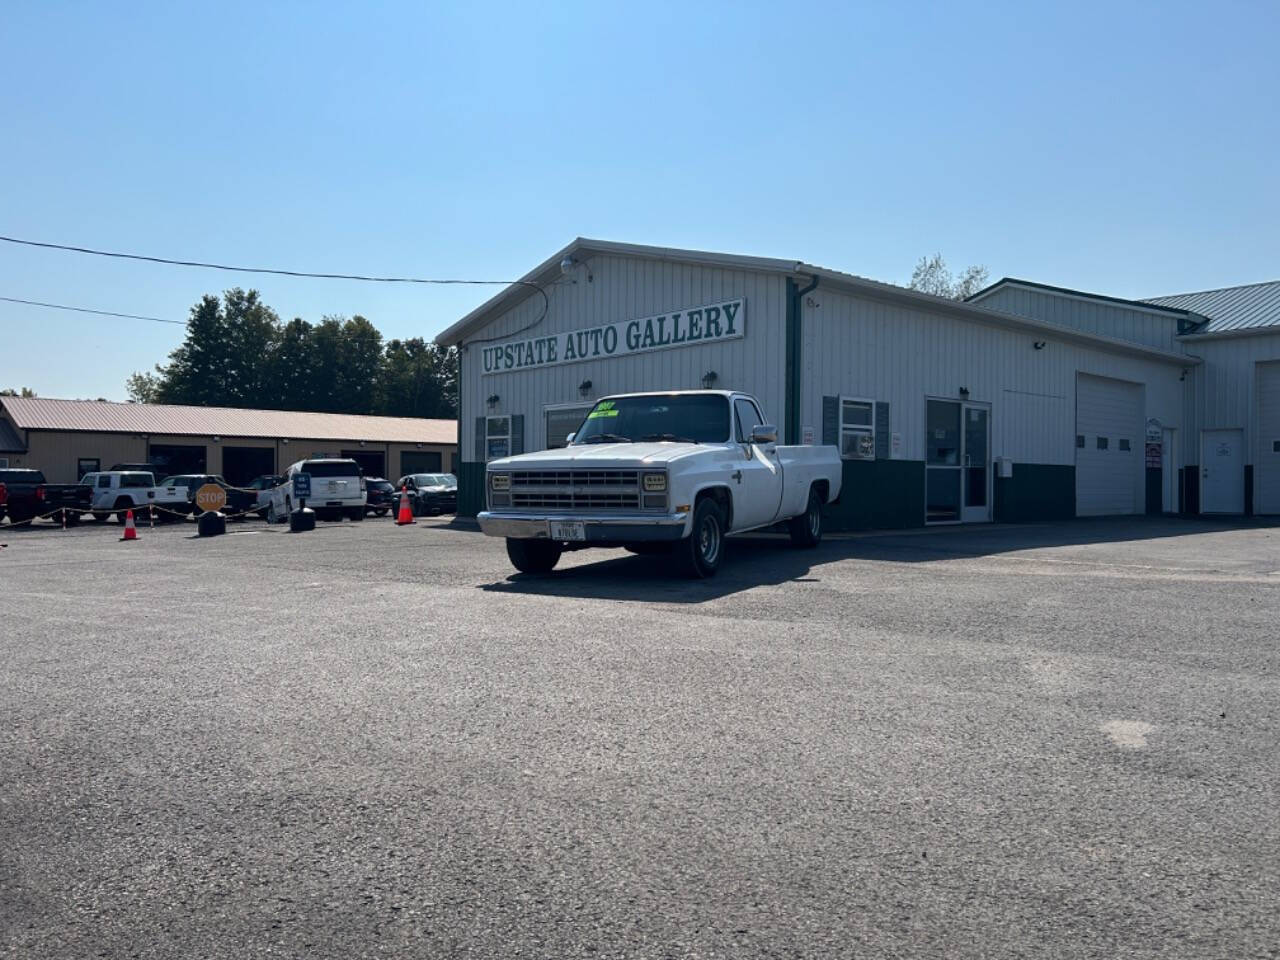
[68, 438]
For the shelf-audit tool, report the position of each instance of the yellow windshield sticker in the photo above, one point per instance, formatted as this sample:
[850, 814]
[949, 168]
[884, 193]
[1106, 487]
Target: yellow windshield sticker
[597, 414]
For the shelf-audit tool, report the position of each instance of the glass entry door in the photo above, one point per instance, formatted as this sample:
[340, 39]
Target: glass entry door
[957, 462]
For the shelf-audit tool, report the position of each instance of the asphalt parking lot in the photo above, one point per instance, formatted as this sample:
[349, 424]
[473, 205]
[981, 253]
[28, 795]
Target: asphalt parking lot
[367, 741]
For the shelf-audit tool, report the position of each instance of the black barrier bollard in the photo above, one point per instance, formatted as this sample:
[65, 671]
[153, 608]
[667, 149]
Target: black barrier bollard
[211, 523]
[304, 518]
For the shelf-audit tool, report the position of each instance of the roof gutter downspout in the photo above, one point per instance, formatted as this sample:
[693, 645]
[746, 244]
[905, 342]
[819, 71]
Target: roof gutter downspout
[795, 295]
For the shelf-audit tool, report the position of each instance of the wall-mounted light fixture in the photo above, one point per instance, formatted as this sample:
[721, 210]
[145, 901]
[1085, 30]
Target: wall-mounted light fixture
[418, 445]
[493, 400]
[568, 264]
[1038, 345]
[217, 439]
[362, 443]
[584, 388]
[284, 440]
[709, 378]
[964, 393]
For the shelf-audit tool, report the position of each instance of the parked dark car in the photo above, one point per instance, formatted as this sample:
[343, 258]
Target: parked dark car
[240, 500]
[382, 496]
[27, 495]
[431, 493]
[263, 485]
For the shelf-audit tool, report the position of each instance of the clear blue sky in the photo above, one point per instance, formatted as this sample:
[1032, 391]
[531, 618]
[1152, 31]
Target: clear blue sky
[1129, 149]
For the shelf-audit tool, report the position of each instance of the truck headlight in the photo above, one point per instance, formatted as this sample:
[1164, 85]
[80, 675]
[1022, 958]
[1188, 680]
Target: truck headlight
[655, 483]
[499, 481]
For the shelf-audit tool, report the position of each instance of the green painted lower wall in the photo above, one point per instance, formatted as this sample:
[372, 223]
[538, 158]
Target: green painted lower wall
[889, 494]
[470, 488]
[1036, 491]
[879, 495]
[1155, 491]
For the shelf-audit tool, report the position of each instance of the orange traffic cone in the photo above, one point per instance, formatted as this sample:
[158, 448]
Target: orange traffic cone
[130, 531]
[406, 512]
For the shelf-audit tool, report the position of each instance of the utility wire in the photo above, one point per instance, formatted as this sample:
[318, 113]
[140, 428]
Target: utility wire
[100, 313]
[546, 303]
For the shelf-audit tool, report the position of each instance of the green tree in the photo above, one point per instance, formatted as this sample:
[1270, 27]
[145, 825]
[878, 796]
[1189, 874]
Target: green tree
[419, 379]
[142, 387]
[931, 275]
[10, 392]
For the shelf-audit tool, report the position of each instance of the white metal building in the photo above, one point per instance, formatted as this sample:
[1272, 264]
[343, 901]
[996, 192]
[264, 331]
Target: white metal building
[1027, 402]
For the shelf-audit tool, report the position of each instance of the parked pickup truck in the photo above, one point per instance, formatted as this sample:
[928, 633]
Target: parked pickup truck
[27, 495]
[659, 473]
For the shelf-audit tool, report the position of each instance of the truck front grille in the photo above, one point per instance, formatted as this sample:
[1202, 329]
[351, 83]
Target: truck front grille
[553, 490]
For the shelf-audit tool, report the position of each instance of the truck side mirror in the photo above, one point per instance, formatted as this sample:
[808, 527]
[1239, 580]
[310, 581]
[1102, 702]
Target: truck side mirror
[763, 433]
[569, 439]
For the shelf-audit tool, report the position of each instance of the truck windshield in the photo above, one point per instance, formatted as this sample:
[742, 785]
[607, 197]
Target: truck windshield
[699, 418]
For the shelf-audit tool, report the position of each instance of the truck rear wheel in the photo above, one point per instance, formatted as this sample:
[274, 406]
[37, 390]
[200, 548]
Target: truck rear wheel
[700, 553]
[806, 529]
[533, 556]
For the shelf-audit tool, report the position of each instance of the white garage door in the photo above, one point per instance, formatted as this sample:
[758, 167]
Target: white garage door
[1109, 464]
[1267, 479]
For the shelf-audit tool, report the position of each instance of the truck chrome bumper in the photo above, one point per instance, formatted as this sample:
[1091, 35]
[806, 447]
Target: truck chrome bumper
[598, 529]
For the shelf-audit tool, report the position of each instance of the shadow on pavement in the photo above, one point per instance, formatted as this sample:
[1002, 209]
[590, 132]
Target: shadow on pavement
[754, 561]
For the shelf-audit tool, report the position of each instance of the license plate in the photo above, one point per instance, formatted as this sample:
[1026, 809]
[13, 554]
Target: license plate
[567, 531]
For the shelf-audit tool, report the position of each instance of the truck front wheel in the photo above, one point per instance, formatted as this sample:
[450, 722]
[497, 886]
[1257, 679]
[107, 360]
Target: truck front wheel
[533, 556]
[700, 553]
[806, 529]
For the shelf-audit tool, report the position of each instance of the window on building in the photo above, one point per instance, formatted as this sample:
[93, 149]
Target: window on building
[1124, 444]
[1079, 441]
[87, 465]
[497, 437]
[857, 429]
[562, 421]
[4, 463]
[1275, 446]
[1102, 443]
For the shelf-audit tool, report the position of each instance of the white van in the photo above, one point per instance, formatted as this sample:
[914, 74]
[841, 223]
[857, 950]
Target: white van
[337, 488]
[117, 491]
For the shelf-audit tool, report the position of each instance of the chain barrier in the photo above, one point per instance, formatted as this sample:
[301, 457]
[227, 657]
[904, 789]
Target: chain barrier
[140, 513]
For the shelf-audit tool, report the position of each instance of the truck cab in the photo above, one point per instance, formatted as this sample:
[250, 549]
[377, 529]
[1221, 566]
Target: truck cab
[659, 472]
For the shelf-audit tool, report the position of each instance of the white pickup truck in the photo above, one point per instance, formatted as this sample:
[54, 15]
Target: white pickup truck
[657, 473]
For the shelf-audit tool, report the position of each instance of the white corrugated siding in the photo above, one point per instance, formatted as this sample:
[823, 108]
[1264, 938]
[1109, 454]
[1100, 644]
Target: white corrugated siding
[624, 288]
[1109, 482]
[1266, 479]
[1223, 393]
[1150, 327]
[866, 348]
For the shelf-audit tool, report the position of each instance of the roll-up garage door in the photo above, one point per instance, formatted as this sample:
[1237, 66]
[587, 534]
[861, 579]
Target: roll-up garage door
[1268, 463]
[1109, 464]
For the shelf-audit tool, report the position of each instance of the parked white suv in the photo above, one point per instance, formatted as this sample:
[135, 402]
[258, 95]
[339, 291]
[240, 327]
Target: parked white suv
[118, 491]
[660, 473]
[337, 489]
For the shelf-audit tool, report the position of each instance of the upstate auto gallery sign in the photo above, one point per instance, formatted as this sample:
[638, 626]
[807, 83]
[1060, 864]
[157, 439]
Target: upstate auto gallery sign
[680, 328]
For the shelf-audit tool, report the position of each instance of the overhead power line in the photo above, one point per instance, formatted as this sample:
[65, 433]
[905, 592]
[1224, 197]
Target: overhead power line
[546, 303]
[100, 313]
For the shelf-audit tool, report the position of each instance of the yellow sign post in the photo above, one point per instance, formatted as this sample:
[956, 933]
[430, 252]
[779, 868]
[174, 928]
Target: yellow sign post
[211, 497]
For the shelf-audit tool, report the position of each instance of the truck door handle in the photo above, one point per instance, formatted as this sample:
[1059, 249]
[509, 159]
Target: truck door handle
[737, 475]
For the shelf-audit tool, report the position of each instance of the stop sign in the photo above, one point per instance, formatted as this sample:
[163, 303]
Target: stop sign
[211, 497]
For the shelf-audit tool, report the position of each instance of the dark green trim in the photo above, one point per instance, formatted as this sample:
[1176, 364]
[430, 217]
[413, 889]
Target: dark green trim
[470, 488]
[1191, 488]
[1155, 491]
[878, 495]
[1036, 491]
[457, 457]
[795, 340]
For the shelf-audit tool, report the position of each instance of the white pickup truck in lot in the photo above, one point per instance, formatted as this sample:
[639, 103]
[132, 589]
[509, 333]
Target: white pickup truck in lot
[659, 473]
